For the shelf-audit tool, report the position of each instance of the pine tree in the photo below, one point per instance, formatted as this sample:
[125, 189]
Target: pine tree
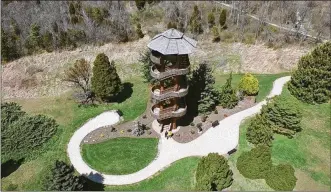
[195, 21]
[310, 83]
[211, 19]
[8, 47]
[282, 116]
[146, 65]
[228, 97]
[208, 95]
[213, 173]
[106, 83]
[140, 4]
[62, 178]
[34, 40]
[259, 132]
[222, 19]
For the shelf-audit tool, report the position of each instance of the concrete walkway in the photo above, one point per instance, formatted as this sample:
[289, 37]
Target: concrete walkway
[220, 139]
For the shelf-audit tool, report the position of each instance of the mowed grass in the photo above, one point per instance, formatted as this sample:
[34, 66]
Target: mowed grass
[30, 175]
[308, 152]
[265, 82]
[120, 156]
[180, 176]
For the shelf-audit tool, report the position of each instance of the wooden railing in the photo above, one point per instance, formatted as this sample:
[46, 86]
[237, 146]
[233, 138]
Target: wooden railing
[169, 72]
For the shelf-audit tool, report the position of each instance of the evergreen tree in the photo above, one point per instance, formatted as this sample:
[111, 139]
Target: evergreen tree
[34, 40]
[310, 83]
[211, 19]
[195, 21]
[47, 41]
[62, 178]
[138, 31]
[222, 19]
[259, 132]
[146, 64]
[106, 83]
[10, 112]
[256, 163]
[140, 4]
[228, 97]
[249, 84]
[213, 173]
[282, 116]
[8, 47]
[216, 34]
[208, 94]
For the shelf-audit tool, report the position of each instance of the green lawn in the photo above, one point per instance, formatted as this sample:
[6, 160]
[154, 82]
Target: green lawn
[29, 176]
[120, 156]
[180, 176]
[308, 151]
[70, 117]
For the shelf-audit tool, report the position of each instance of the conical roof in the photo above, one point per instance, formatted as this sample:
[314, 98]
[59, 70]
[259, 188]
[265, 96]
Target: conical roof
[172, 42]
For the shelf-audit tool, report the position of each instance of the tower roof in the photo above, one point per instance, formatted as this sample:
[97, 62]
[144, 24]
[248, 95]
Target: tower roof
[172, 42]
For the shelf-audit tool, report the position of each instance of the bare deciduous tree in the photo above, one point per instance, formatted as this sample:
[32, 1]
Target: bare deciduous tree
[79, 75]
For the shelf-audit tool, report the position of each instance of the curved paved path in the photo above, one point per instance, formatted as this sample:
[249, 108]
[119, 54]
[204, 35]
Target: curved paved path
[220, 139]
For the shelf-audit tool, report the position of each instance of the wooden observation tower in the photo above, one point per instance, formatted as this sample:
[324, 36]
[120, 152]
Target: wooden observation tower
[169, 55]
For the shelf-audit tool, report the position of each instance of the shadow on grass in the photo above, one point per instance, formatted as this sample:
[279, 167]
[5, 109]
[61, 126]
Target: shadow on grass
[92, 185]
[10, 166]
[125, 94]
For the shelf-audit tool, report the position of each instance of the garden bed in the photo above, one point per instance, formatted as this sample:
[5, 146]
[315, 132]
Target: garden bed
[188, 133]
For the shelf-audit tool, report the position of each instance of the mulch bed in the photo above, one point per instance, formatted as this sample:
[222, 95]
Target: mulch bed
[189, 133]
[122, 130]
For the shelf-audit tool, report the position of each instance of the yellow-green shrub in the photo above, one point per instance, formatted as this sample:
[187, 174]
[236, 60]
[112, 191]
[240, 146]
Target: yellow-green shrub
[249, 84]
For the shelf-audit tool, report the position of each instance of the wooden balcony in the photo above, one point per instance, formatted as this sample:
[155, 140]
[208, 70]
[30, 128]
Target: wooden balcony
[168, 93]
[169, 72]
[167, 113]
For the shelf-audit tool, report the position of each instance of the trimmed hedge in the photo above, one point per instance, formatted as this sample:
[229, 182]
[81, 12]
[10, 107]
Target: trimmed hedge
[249, 84]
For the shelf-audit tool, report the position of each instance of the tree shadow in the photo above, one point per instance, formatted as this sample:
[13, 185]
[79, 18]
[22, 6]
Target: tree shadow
[10, 166]
[93, 182]
[125, 94]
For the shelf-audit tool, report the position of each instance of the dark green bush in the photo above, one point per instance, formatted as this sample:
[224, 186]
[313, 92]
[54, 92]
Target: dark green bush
[222, 19]
[282, 116]
[228, 97]
[211, 19]
[255, 164]
[213, 173]
[139, 31]
[62, 178]
[146, 64]
[25, 135]
[259, 132]
[106, 83]
[10, 112]
[195, 21]
[310, 83]
[216, 34]
[281, 177]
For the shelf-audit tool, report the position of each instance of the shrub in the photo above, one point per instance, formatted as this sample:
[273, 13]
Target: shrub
[204, 118]
[310, 83]
[129, 130]
[62, 178]
[192, 124]
[213, 173]
[282, 116]
[215, 111]
[215, 123]
[9, 49]
[249, 84]
[255, 164]
[140, 4]
[281, 178]
[216, 34]
[138, 31]
[228, 97]
[106, 83]
[199, 125]
[34, 40]
[171, 25]
[10, 112]
[25, 135]
[259, 132]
